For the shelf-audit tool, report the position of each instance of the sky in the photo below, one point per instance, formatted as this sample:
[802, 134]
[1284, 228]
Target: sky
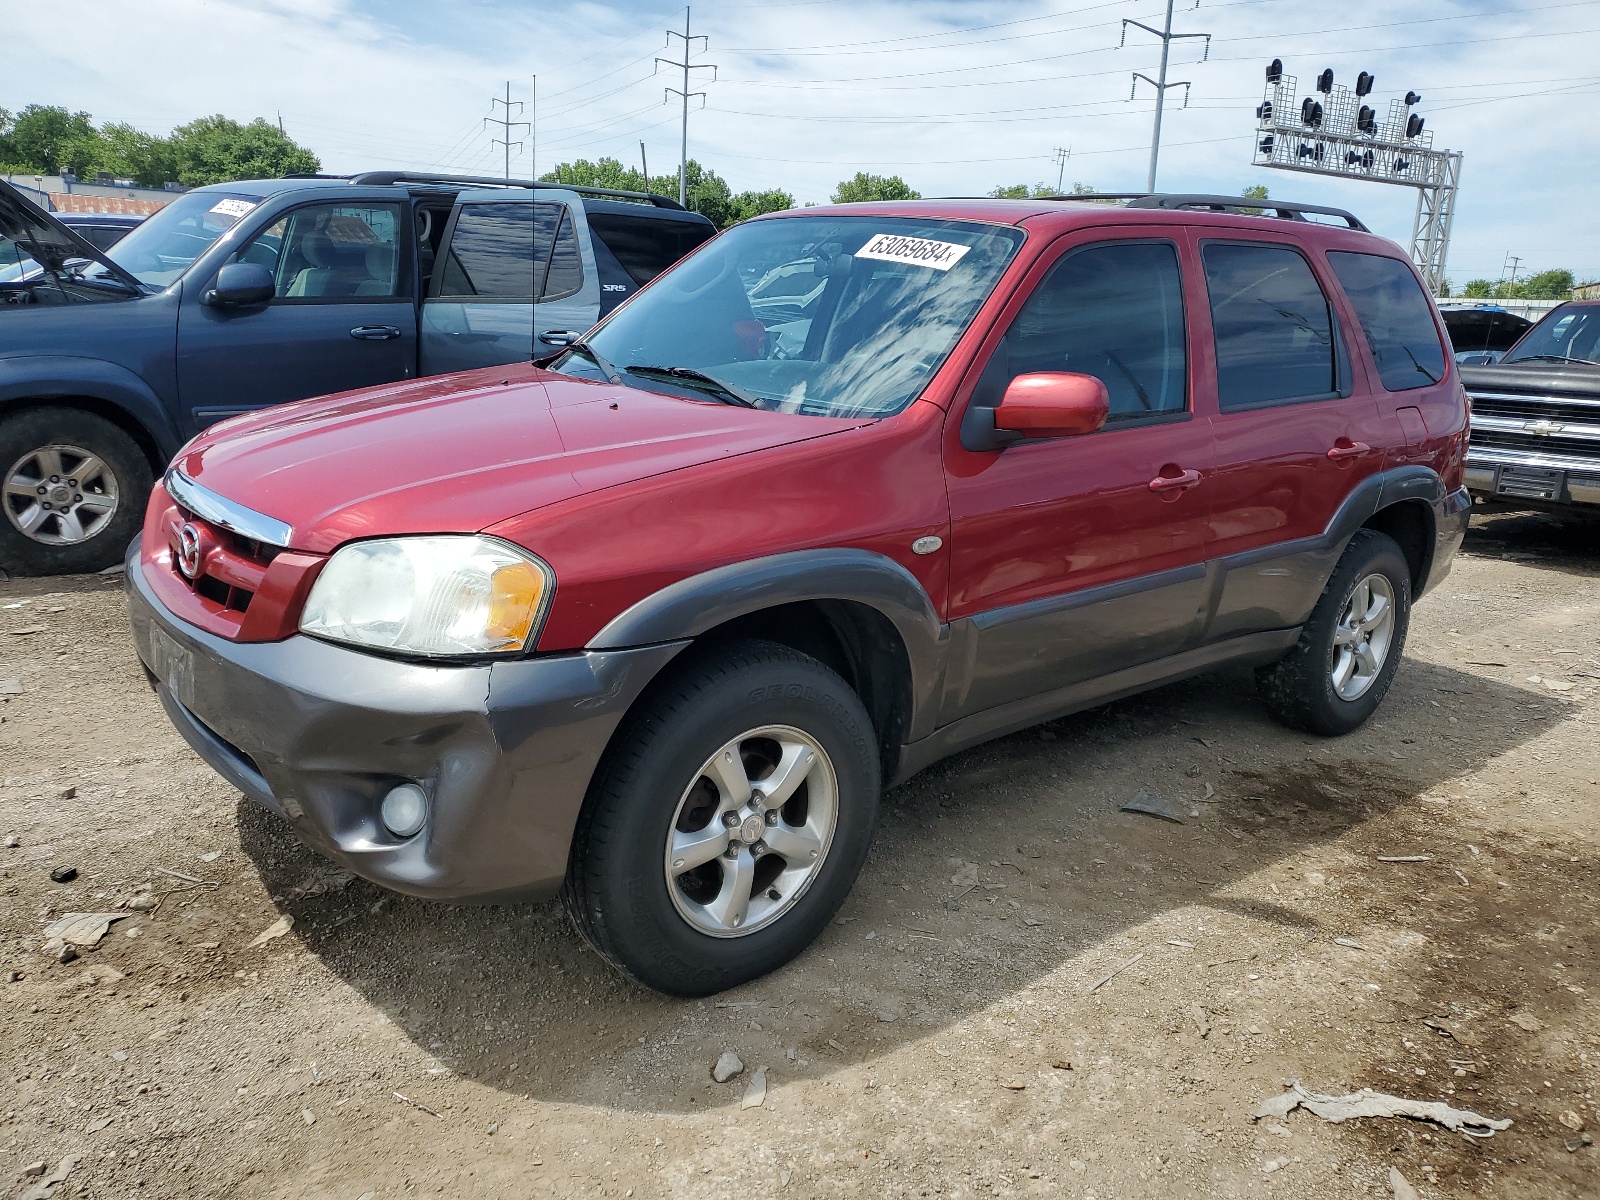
[954, 97]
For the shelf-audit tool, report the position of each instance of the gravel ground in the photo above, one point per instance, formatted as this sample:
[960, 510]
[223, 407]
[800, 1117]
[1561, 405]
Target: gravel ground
[944, 1038]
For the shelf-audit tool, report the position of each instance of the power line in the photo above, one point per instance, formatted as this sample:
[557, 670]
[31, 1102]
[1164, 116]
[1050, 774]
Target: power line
[506, 125]
[1160, 84]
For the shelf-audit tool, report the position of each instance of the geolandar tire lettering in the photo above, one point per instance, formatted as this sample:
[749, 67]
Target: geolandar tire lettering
[1341, 668]
[728, 821]
[73, 491]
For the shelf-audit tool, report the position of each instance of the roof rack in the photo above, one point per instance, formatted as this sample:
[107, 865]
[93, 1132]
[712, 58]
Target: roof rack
[1283, 209]
[382, 178]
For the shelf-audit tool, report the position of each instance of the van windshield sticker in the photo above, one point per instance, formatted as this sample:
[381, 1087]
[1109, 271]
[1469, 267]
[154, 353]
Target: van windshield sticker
[232, 208]
[917, 252]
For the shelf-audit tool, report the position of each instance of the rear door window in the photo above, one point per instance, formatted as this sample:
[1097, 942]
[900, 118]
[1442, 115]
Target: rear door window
[647, 246]
[510, 252]
[1395, 316]
[1274, 330]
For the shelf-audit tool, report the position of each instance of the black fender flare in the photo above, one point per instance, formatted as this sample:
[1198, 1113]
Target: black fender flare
[699, 603]
[61, 378]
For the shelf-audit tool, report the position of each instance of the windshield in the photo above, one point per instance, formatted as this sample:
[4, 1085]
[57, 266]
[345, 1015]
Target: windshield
[841, 317]
[162, 248]
[1570, 333]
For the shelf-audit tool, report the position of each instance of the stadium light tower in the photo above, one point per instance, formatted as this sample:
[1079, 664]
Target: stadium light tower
[1340, 134]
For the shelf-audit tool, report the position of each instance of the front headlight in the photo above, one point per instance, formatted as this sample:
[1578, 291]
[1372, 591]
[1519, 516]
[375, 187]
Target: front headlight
[438, 596]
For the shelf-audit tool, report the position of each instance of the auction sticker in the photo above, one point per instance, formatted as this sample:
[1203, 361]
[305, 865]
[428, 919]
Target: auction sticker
[232, 208]
[918, 252]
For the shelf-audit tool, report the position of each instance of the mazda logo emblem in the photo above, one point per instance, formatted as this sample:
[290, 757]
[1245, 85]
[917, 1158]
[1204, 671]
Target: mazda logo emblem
[189, 551]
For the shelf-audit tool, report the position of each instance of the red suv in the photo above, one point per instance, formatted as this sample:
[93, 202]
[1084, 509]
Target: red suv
[654, 622]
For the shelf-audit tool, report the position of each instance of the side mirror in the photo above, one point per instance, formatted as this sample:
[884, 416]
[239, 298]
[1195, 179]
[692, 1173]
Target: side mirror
[1479, 359]
[1052, 404]
[242, 283]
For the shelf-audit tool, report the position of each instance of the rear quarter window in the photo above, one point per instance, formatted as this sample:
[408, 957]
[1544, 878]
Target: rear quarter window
[644, 246]
[1395, 316]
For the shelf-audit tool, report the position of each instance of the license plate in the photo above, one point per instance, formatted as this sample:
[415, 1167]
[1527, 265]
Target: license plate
[173, 666]
[1530, 483]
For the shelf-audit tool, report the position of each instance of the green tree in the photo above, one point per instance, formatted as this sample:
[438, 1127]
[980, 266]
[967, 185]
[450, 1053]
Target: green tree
[1546, 285]
[873, 187]
[49, 139]
[218, 149]
[609, 173]
[130, 153]
[1256, 191]
[1478, 289]
[1022, 191]
[705, 191]
[753, 204]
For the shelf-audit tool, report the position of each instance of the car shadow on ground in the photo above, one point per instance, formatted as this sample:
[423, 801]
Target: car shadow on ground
[1568, 542]
[509, 996]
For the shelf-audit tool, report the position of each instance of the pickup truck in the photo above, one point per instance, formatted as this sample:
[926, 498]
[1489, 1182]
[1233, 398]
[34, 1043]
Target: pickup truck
[1536, 416]
[242, 295]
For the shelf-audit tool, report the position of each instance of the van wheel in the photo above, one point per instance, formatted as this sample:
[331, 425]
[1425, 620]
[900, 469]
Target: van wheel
[727, 823]
[1348, 652]
[74, 491]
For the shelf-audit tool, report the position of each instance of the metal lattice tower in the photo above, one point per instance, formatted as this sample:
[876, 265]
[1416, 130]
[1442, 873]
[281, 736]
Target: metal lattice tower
[1340, 135]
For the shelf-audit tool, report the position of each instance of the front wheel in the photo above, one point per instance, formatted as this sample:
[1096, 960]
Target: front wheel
[74, 491]
[728, 822]
[1340, 669]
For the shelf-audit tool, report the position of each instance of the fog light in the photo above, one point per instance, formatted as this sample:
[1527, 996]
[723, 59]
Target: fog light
[404, 810]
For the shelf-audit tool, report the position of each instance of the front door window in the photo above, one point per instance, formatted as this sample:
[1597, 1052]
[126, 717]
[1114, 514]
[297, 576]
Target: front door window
[332, 252]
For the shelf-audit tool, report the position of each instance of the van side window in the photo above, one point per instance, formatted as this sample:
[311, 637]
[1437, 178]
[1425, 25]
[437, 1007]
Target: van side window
[1395, 316]
[1114, 311]
[502, 251]
[647, 247]
[1273, 326]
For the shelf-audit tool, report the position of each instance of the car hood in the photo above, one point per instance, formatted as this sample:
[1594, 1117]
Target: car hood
[458, 453]
[1533, 378]
[51, 242]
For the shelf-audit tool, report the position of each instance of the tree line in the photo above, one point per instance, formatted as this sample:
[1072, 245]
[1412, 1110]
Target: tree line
[45, 139]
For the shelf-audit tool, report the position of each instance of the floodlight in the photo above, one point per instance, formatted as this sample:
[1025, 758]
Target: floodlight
[1402, 165]
[1266, 144]
[1325, 82]
[1275, 70]
[1412, 98]
[1313, 152]
[1359, 159]
[1413, 125]
[1367, 120]
[1364, 82]
[1264, 111]
[1310, 113]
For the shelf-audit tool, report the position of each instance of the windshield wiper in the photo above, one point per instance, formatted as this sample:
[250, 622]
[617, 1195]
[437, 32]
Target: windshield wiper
[599, 360]
[1588, 362]
[699, 380]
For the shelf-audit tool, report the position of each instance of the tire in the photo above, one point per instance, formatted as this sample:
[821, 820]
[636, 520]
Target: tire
[658, 788]
[49, 448]
[1302, 689]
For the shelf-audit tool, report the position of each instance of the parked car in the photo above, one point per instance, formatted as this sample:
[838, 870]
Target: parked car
[654, 626]
[1536, 415]
[100, 230]
[1481, 335]
[243, 295]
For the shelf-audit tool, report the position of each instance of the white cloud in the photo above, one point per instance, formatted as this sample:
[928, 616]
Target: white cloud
[810, 91]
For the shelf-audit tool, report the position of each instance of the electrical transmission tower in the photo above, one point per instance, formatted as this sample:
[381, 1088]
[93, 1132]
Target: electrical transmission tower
[1160, 84]
[507, 125]
[686, 66]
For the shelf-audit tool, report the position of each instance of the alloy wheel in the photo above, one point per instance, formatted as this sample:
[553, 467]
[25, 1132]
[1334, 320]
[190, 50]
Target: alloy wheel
[751, 831]
[1363, 636]
[60, 495]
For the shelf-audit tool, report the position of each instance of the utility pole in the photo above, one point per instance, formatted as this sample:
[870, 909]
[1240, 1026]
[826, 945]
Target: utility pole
[507, 125]
[1512, 264]
[686, 66]
[1160, 84]
[644, 163]
[1061, 167]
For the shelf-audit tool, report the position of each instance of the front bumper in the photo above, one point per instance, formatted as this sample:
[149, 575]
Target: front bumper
[319, 734]
[1514, 475]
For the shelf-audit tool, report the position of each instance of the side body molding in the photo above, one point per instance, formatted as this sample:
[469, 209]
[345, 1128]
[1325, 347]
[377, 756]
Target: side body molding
[701, 602]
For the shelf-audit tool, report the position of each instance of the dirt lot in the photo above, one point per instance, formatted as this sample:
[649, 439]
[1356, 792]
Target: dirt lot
[944, 1038]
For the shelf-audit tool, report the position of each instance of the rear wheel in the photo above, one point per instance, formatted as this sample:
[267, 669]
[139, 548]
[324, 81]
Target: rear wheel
[1340, 669]
[728, 822]
[73, 491]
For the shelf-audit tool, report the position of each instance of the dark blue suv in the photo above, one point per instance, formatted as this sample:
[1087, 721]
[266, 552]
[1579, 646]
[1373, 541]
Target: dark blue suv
[242, 295]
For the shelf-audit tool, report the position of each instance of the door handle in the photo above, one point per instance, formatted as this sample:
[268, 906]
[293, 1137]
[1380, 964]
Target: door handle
[1182, 481]
[1344, 448]
[374, 333]
[559, 337]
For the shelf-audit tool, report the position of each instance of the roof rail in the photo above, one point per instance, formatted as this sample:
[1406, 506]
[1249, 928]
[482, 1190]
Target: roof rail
[381, 178]
[1284, 209]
